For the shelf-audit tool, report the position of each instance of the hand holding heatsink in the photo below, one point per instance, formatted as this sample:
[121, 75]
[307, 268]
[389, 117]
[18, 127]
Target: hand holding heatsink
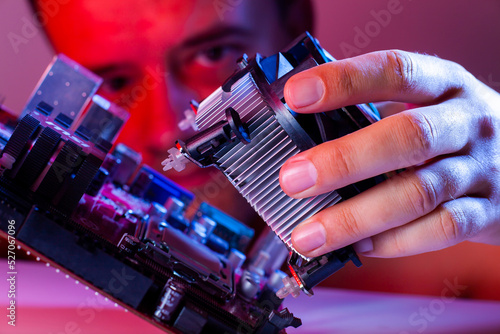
[247, 131]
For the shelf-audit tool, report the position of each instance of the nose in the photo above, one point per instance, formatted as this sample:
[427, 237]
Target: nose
[161, 117]
[151, 117]
[162, 110]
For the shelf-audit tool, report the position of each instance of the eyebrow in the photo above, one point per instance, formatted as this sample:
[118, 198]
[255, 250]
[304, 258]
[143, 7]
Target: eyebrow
[216, 33]
[212, 34]
[103, 70]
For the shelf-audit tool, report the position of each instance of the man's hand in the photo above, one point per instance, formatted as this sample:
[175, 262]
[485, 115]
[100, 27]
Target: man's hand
[449, 143]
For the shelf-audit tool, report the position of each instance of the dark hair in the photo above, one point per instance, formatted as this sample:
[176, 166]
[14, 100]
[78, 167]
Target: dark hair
[289, 10]
[298, 15]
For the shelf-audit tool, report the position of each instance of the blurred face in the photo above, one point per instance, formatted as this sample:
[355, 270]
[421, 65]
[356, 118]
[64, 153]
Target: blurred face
[157, 55]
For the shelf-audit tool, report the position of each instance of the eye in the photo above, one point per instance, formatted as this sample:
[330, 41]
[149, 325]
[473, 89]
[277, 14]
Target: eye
[204, 67]
[216, 53]
[118, 78]
[212, 56]
[114, 84]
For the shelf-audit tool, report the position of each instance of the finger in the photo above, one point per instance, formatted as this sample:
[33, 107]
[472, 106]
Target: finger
[393, 203]
[379, 76]
[406, 139]
[451, 223]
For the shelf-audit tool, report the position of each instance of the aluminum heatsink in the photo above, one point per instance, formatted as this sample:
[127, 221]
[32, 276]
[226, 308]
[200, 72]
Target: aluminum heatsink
[247, 131]
[253, 168]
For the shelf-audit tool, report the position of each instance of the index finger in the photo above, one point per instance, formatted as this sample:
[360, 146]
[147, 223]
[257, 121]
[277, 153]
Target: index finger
[400, 141]
[379, 76]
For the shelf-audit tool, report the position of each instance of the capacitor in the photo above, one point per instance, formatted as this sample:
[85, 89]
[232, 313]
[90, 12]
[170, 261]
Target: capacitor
[129, 244]
[156, 224]
[249, 285]
[175, 214]
[275, 281]
[157, 212]
[171, 297]
[130, 160]
[269, 243]
[236, 258]
[201, 228]
[140, 222]
[141, 183]
[111, 165]
[174, 206]
[259, 264]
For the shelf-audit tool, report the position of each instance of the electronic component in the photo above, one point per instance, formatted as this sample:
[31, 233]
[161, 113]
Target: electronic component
[98, 216]
[247, 131]
[66, 87]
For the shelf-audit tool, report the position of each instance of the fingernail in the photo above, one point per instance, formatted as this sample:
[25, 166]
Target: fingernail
[308, 237]
[298, 176]
[363, 246]
[306, 91]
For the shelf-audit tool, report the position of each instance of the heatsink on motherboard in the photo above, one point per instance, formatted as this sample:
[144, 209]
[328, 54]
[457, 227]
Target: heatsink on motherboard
[247, 131]
[253, 168]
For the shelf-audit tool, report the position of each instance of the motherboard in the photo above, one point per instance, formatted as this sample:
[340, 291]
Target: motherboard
[89, 207]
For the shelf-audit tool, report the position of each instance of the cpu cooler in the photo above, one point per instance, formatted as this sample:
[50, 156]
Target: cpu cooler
[247, 131]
